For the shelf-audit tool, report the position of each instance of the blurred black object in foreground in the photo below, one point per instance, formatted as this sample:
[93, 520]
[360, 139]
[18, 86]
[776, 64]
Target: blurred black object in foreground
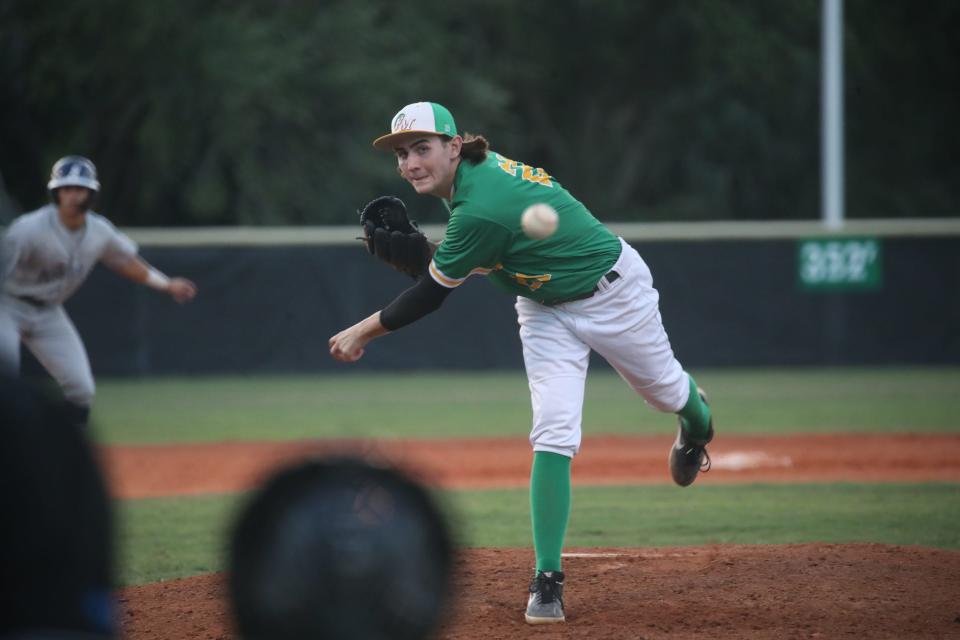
[56, 537]
[339, 548]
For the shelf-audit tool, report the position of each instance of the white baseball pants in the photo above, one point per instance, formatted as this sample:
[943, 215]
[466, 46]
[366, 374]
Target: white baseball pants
[622, 323]
[52, 338]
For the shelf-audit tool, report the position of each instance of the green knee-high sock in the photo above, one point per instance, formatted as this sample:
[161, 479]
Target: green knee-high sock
[549, 507]
[695, 415]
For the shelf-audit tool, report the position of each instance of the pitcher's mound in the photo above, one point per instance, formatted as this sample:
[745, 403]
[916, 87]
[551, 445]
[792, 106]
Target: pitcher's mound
[722, 591]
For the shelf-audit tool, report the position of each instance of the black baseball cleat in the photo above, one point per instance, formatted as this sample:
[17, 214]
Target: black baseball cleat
[689, 456]
[545, 604]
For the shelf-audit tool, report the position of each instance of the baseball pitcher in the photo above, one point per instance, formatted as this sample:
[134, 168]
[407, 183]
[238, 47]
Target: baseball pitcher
[45, 256]
[579, 288]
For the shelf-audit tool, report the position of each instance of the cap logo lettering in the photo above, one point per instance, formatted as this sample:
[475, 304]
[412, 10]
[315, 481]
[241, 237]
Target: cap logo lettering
[401, 123]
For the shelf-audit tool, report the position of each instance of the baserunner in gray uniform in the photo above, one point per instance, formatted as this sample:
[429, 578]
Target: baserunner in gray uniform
[45, 256]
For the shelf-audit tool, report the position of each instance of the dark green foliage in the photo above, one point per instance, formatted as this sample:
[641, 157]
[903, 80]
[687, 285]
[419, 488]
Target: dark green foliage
[249, 112]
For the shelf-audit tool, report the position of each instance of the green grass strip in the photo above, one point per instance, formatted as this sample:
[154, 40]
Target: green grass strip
[459, 404]
[165, 538]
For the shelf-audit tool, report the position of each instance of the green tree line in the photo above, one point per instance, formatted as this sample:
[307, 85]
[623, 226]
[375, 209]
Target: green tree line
[257, 112]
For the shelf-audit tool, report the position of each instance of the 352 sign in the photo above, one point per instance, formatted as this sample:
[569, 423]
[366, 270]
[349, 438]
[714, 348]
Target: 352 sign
[840, 264]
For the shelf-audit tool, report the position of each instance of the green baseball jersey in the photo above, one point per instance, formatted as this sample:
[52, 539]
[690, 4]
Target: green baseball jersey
[484, 234]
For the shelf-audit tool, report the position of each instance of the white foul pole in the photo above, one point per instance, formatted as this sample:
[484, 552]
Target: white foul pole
[831, 151]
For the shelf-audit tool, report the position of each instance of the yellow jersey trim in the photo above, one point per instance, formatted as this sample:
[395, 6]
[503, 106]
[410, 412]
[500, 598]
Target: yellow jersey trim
[442, 279]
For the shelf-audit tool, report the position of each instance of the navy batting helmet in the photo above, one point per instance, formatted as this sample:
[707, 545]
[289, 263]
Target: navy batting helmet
[73, 171]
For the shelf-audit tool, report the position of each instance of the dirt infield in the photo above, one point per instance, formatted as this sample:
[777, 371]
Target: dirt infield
[146, 471]
[722, 591]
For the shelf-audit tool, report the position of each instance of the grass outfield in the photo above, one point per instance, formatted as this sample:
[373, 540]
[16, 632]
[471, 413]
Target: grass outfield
[166, 538]
[455, 404]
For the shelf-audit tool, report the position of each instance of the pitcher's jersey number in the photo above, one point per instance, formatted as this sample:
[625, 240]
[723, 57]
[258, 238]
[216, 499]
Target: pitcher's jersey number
[528, 173]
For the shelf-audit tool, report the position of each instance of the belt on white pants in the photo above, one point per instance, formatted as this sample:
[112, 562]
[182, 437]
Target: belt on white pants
[610, 277]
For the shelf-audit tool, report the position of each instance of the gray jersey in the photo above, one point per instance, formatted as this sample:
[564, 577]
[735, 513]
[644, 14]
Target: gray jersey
[42, 259]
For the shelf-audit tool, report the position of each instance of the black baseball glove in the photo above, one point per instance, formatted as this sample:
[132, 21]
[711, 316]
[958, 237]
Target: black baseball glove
[393, 237]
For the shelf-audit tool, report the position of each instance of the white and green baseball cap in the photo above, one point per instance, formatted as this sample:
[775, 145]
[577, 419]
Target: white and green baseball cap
[416, 119]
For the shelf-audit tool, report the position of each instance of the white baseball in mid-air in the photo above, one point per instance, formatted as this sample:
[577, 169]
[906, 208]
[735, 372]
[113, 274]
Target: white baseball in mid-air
[539, 221]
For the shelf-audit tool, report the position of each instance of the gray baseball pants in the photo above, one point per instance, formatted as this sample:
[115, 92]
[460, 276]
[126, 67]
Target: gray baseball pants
[50, 335]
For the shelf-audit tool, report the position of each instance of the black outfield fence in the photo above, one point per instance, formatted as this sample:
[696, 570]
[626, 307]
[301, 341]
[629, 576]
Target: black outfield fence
[853, 299]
